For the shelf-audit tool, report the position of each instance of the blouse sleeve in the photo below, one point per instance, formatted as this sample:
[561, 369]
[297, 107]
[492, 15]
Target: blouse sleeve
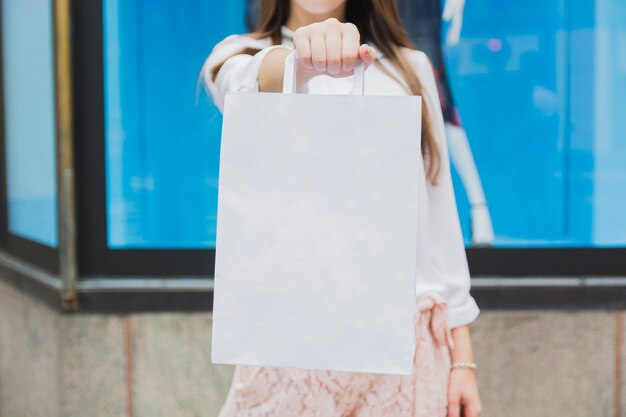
[238, 72]
[445, 243]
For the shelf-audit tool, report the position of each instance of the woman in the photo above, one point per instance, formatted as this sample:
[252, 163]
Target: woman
[331, 36]
[423, 19]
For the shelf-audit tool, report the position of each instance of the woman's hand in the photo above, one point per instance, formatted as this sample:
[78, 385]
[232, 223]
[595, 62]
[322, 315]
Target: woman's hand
[331, 48]
[463, 398]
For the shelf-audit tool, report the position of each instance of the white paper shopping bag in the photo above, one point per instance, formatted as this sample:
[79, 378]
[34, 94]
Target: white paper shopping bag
[317, 230]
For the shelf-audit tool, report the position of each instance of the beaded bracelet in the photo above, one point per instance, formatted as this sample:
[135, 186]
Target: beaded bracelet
[472, 365]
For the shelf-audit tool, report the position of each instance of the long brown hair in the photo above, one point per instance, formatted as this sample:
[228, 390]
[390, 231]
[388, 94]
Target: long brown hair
[378, 22]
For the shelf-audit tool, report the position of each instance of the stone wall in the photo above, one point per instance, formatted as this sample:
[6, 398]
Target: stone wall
[531, 363]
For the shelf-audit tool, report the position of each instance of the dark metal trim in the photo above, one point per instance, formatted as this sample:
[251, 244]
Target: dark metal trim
[132, 302]
[186, 294]
[31, 280]
[574, 262]
[551, 298]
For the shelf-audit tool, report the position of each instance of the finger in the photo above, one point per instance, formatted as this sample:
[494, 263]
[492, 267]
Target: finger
[367, 54]
[454, 408]
[303, 47]
[349, 50]
[333, 52]
[473, 409]
[318, 52]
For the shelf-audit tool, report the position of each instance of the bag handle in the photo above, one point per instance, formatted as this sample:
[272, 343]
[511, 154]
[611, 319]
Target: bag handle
[289, 78]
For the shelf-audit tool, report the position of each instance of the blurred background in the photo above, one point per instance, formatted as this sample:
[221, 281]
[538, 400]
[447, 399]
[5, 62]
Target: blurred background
[109, 161]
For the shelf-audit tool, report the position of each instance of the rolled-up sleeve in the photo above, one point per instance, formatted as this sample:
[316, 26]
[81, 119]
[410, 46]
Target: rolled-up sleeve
[448, 261]
[238, 72]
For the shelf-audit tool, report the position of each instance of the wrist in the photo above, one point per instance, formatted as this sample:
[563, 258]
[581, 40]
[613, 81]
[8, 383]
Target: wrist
[463, 365]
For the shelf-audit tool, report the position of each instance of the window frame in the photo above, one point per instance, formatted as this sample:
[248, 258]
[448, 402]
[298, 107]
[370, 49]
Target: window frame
[96, 259]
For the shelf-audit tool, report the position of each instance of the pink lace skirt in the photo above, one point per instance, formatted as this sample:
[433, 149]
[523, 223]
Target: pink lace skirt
[287, 392]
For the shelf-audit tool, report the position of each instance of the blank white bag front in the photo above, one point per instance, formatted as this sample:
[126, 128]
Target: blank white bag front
[317, 232]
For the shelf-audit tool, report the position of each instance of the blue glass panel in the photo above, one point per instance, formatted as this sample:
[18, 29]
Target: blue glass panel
[509, 78]
[540, 89]
[536, 87]
[162, 149]
[607, 105]
[29, 115]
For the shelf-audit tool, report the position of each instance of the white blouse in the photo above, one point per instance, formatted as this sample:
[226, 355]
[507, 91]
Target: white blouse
[442, 264]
